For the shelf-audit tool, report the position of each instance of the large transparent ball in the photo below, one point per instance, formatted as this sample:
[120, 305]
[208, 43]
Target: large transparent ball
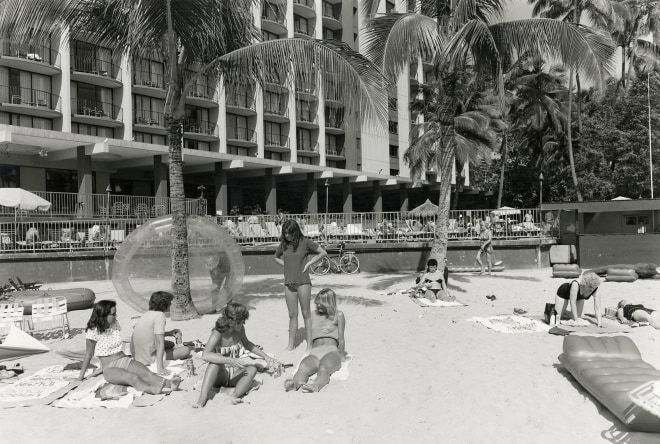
[143, 264]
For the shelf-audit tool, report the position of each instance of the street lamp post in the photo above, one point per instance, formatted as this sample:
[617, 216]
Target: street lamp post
[327, 191]
[108, 190]
[541, 204]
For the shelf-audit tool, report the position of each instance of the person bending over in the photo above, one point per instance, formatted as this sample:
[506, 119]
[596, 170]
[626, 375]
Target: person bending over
[576, 293]
[329, 346]
[223, 352]
[148, 344]
[104, 340]
[628, 313]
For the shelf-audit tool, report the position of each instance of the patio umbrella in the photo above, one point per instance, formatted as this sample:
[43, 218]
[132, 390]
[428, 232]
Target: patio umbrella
[506, 211]
[21, 199]
[427, 209]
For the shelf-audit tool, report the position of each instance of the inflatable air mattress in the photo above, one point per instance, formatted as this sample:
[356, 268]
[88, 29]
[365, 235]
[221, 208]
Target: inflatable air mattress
[610, 368]
[76, 298]
[566, 271]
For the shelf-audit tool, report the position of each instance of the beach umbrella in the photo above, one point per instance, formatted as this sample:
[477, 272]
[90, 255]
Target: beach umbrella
[20, 199]
[506, 211]
[621, 198]
[427, 209]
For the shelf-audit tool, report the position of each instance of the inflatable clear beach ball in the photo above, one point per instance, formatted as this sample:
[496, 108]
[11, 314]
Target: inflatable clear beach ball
[143, 264]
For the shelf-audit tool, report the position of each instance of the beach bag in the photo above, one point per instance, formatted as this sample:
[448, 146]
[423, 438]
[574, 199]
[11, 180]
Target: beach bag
[549, 313]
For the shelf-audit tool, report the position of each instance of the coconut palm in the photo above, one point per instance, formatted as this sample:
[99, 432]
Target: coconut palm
[197, 40]
[465, 32]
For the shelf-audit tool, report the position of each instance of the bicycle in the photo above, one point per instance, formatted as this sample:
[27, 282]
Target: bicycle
[343, 262]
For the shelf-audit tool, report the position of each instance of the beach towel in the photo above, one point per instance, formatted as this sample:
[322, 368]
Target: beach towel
[423, 302]
[85, 395]
[512, 324]
[340, 375]
[43, 387]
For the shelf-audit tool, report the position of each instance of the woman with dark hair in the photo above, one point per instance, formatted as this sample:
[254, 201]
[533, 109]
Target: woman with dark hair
[223, 352]
[433, 282]
[104, 340]
[293, 254]
[148, 344]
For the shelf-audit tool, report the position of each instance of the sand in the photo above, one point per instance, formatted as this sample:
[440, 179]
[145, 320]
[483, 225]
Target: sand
[422, 375]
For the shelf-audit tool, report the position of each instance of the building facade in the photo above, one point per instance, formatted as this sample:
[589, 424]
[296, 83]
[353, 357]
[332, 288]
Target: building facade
[72, 120]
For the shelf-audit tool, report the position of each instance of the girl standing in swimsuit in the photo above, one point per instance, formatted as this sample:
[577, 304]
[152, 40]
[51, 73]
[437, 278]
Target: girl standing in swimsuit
[329, 349]
[292, 254]
[486, 239]
[628, 313]
[104, 339]
[223, 352]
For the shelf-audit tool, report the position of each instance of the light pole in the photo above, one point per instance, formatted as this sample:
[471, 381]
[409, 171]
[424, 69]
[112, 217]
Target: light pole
[327, 190]
[108, 190]
[541, 204]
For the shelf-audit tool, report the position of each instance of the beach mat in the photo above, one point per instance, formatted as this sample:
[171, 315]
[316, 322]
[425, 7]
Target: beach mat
[40, 388]
[512, 324]
[425, 303]
[18, 344]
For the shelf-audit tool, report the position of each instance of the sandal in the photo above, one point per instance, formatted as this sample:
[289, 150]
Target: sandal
[520, 311]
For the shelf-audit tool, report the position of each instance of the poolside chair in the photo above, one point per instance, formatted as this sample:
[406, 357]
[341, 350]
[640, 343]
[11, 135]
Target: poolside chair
[312, 231]
[141, 211]
[28, 285]
[273, 229]
[11, 314]
[49, 314]
[17, 287]
[355, 232]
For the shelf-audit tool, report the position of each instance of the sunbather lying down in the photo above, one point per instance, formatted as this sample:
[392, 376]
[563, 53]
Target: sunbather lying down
[628, 313]
[433, 283]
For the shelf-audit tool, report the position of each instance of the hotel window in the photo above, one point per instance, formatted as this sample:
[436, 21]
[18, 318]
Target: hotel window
[273, 156]
[393, 127]
[273, 133]
[91, 99]
[394, 172]
[23, 87]
[237, 150]
[394, 151]
[268, 36]
[92, 59]
[301, 25]
[148, 110]
[196, 145]
[149, 73]
[304, 139]
[328, 34]
[26, 121]
[92, 130]
[156, 139]
[305, 160]
[63, 181]
[305, 111]
[274, 103]
[10, 176]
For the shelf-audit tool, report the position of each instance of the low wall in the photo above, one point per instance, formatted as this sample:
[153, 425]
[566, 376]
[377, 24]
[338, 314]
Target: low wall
[380, 258]
[597, 250]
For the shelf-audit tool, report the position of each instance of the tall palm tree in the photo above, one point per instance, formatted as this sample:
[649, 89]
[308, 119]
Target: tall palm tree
[216, 39]
[466, 31]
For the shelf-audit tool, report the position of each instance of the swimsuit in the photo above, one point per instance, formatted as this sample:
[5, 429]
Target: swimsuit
[629, 309]
[564, 291]
[483, 237]
[232, 351]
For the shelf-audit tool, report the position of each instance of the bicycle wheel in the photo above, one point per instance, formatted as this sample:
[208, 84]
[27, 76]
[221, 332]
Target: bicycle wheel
[349, 264]
[321, 267]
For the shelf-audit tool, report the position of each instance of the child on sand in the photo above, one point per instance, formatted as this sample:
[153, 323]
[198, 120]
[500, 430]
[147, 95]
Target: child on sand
[223, 351]
[329, 347]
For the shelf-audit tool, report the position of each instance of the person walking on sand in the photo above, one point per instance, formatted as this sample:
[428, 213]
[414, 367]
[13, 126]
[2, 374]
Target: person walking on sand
[486, 246]
[293, 254]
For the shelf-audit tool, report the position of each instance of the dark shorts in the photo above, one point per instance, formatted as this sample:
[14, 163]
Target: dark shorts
[294, 287]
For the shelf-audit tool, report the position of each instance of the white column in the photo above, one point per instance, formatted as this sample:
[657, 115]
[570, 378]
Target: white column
[65, 86]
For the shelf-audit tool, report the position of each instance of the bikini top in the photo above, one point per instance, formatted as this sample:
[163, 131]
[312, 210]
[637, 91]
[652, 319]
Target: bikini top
[232, 351]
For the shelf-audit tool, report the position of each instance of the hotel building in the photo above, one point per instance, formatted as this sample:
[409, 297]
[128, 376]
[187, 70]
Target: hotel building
[73, 121]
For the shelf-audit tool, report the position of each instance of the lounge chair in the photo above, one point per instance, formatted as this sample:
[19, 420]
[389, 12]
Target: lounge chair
[49, 314]
[612, 370]
[312, 231]
[273, 229]
[28, 285]
[11, 314]
[17, 287]
[355, 232]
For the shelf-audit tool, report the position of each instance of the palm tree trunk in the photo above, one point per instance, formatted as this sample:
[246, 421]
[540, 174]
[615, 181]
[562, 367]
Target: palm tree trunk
[623, 66]
[440, 240]
[569, 134]
[182, 306]
[505, 156]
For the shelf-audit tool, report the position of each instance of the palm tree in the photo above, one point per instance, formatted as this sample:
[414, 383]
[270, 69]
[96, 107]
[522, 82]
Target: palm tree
[465, 31]
[457, 125]
[197, 39]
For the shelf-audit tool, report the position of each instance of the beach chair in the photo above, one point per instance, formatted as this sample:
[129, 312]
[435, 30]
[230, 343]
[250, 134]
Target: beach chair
[312, 231]
[273, 229]
[332, 232]
[49, 314]
[354, 232]
[17, 286]
[257, 231]
[28, 285]
[11, 314]
[141, 211]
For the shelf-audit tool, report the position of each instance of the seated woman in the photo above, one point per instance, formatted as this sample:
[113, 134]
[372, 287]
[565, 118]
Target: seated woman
[628, 313]
[328, 345]
[576, 293]
[148, 344]
[223, 353]
[433, 281]
[104, 340]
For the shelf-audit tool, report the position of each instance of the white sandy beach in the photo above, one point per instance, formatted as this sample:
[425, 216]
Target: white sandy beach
[422, 375]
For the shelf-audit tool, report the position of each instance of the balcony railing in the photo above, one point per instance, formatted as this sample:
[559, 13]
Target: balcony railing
[151, 118]
[270, 14]
[241, 100]
[329, 12]
[307, 117]
[277, 140]
[93, 108]
[334, 150]
[200, 127]
[389, 226]
[88, 65]
[33, 53]
[276, 109]
[334, 122]
[307, 146]
[240, 133]
[307, 3]
[303, 28]
[200, 91]
[15, 95]
[149, 79]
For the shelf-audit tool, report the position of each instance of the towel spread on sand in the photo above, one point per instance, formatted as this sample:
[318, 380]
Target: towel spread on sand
[512, 324]
[423, 302]
[340, 375]
[84, 396]
[39, 386]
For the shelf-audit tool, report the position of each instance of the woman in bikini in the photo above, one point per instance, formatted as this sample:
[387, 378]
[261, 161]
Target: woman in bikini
[486, 239]
[433, 281]
[628, 313]
[104, 340]
[576, 293]
[329, 346]
[223, 352]
[293, 254]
